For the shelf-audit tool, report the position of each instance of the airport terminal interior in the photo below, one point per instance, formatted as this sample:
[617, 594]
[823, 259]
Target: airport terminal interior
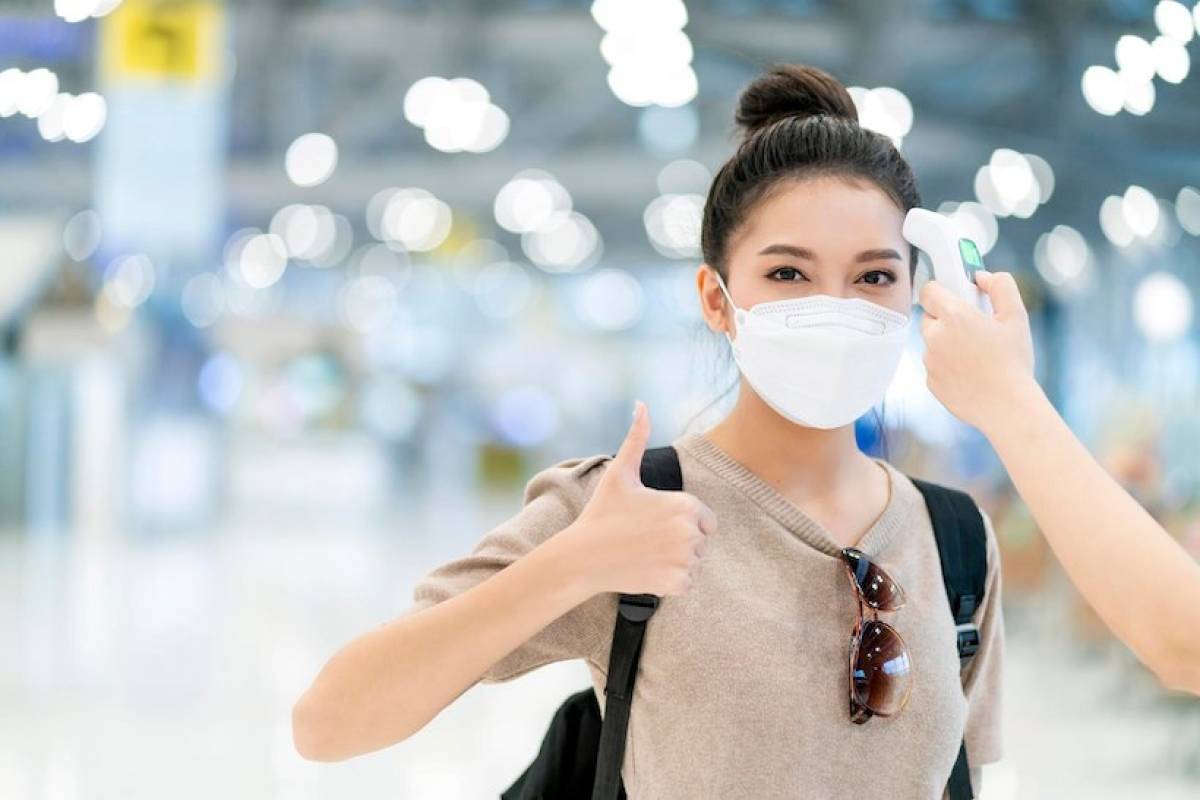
[296, 295]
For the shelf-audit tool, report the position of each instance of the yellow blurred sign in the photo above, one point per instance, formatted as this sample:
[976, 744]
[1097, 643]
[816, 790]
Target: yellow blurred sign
[463, 231]
[177, 40]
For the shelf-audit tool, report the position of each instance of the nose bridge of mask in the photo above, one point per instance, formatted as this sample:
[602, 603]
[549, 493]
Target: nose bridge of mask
[822, 311]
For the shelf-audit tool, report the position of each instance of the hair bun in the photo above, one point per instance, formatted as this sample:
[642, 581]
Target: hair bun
[792, 90]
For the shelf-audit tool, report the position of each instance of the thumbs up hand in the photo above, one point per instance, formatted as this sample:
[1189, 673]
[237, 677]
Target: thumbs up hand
[979, 365]
[634, 539]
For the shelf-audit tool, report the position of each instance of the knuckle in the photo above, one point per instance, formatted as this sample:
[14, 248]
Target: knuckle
[682, 525]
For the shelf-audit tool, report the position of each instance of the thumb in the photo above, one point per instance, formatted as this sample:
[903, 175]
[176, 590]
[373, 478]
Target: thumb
[1001, 289]
[627, 463]
[936, 299]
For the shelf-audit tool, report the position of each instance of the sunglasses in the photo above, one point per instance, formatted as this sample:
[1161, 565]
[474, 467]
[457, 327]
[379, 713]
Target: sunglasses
[880, 668]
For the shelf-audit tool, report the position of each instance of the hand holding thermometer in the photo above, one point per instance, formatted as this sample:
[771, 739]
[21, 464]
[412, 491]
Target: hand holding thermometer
[1137, 577]
[954, 257]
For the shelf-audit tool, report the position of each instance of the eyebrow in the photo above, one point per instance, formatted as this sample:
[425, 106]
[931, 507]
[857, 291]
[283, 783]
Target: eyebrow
[805, 253]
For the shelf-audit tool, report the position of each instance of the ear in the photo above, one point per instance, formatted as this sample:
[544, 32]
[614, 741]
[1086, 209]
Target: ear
[713, 304]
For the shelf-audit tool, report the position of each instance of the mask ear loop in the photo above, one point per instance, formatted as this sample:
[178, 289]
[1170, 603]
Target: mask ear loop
[736, 311]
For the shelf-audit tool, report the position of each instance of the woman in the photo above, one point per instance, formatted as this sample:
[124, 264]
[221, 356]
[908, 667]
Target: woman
[742, 689]
[981, 367]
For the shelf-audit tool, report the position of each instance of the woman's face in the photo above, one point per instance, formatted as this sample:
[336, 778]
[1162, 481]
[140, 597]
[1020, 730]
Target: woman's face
[817, 236]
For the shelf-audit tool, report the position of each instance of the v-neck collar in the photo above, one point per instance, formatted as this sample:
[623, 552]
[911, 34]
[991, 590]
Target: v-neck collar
[892, 520]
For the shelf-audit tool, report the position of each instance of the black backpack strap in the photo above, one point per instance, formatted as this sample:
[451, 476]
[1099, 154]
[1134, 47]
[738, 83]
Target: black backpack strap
[659, 470]
[962, 547]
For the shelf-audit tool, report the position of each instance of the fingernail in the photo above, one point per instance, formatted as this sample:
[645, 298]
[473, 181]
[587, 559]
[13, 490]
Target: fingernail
[635, 410]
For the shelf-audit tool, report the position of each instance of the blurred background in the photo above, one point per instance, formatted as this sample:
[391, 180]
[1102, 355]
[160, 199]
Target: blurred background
[282, 283]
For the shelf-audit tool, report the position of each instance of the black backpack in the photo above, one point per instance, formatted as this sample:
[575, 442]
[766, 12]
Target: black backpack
[581, 754]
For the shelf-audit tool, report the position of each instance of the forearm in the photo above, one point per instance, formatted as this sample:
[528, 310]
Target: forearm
[387, 684]
[1140, 581]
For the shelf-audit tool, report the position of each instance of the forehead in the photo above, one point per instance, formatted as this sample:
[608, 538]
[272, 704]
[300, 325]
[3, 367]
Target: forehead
[824, 213]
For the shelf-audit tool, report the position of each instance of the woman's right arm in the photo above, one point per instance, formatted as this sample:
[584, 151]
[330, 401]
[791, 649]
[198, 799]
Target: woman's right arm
[387, 684]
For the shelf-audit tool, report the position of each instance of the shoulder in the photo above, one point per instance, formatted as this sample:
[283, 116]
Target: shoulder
[572, 480]
[907, 484]
[993, 545]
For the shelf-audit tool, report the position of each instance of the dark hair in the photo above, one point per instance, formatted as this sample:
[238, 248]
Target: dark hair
[798, 122]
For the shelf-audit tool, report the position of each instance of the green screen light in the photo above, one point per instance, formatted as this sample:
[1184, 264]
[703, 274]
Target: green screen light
[970, 255]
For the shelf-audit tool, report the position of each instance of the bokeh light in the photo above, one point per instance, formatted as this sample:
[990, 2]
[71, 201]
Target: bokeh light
[1162, 307]
[311, 159]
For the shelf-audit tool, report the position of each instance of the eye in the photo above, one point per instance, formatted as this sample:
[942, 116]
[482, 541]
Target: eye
[788, 274]
[886, 273]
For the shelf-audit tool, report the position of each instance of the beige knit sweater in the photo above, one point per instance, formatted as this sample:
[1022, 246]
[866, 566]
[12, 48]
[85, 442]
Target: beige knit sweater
[742, 688]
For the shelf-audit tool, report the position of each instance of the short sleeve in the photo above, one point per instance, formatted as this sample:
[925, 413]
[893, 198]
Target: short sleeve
[983, 676]
[553, 499]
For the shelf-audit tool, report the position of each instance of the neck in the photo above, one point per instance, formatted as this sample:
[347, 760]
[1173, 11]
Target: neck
[803, 463]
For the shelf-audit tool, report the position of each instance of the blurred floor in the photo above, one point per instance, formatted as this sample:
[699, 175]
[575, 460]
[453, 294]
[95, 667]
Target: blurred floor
[166, 667]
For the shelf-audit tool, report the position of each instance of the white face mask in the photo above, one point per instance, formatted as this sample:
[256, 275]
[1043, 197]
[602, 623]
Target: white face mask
[820, 361]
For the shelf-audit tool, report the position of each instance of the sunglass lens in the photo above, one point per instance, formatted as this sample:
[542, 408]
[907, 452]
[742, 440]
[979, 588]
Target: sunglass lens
[882, 674]
[878, 590]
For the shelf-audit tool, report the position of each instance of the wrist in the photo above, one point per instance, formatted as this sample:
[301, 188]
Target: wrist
[565, 568]
[1026, 401]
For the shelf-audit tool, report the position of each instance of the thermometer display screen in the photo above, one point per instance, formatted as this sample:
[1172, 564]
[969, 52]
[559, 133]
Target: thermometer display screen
[970, 256]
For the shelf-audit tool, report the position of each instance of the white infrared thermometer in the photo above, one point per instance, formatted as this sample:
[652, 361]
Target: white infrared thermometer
[954, 257]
